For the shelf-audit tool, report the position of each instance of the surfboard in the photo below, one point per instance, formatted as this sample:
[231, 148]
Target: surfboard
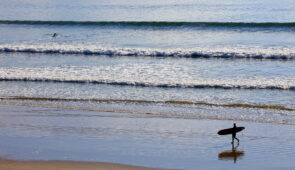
[229, 131]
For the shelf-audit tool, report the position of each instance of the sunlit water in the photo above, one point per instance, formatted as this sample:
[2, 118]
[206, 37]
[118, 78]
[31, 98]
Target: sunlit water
[152, 61]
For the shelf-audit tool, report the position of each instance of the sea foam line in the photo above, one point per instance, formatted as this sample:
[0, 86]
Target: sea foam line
[143, 84]
[240, 105]
[198, 52]
[162, 114]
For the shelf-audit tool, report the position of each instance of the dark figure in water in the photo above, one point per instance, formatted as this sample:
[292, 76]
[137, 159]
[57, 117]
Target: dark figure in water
[234, 134]
[54, 35]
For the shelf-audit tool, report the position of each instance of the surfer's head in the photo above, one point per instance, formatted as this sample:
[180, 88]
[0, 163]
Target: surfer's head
[235, 125]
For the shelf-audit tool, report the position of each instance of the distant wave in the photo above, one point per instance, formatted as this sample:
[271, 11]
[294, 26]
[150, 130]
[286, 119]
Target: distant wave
[241, 105]
[198, 52]
[286, 25]
[141, 84]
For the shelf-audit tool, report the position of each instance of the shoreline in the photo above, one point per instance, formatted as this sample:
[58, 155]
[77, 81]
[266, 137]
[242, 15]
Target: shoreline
[66, 139]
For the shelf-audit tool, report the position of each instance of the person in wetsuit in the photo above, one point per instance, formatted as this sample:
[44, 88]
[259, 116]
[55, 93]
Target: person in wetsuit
[234, 134]
[54, 35]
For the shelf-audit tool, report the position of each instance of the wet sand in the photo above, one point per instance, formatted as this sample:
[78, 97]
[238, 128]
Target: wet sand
[37, 137]
[64, 165]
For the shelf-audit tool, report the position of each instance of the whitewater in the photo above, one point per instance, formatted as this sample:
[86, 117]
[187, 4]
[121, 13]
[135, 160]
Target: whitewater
[148, 83]
[209, 57]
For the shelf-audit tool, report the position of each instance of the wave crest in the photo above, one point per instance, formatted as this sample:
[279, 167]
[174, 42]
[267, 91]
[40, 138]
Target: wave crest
[198, 52]
[142, 84]
[286, 25]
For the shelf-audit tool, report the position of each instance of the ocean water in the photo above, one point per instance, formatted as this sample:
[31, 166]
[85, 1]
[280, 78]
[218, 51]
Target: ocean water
[232, 60]
[147, 82]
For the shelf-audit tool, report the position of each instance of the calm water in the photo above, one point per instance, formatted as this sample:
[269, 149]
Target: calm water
[222, 60]
[151, 10]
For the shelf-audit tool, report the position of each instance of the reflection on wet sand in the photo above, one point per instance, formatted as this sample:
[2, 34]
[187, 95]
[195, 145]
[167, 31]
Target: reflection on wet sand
[231, 154]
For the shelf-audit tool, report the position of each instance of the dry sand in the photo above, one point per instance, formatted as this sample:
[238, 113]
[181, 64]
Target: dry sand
[65, 165]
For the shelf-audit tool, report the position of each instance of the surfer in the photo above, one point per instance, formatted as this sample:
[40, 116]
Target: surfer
[234, 132]
[54, 35]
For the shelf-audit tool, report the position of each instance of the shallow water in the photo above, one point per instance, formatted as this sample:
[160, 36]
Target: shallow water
[33, 133]
[126, 81]
[180, 85]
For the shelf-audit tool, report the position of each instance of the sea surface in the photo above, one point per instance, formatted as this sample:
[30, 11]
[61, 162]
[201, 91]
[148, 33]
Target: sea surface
[235, 59]
[228, 60]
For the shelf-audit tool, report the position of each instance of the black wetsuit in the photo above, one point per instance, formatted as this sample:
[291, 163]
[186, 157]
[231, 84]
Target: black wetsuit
[234, 133]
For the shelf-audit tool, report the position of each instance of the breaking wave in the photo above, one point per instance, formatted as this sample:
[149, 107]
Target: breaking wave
[142, 84]
[283, 53]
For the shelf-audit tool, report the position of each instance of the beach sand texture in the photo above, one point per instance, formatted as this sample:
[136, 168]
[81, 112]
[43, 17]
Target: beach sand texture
[36, 137]
[65, 165]
[131, 84]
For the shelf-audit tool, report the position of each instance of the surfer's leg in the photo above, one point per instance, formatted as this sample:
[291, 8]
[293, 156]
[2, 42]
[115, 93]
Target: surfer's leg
[237, 139]
[233, 137]
[232, 140]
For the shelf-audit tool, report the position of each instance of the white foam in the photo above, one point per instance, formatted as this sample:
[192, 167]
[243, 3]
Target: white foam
[238, 51]
[149, 77]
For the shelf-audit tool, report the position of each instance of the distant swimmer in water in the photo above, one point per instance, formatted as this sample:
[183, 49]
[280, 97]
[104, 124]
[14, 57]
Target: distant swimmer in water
[54, 35]
[233, 131]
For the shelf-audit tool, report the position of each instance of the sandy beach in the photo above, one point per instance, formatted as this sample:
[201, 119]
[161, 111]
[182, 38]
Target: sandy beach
[64, 165]
[32, 137]
[130, 84]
